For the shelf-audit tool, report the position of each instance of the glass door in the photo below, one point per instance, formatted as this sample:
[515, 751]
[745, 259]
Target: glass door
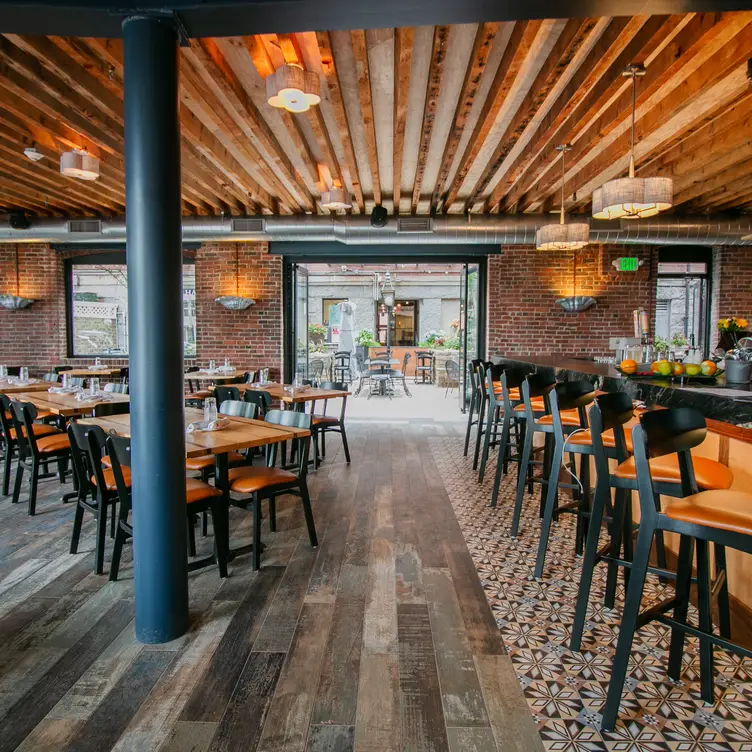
[468, 333]
[300, 284]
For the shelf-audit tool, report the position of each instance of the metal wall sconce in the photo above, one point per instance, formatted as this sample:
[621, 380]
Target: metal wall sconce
[235, 302]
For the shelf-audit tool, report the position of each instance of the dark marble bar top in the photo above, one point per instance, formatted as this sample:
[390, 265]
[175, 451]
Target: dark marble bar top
[732, 406]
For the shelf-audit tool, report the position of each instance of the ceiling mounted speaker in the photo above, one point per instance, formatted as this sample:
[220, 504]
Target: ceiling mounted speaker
[19, 221]
[378, 216]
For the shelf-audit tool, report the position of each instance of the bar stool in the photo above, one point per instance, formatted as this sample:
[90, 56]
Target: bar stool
[480, 375]
[721, 517]
[424, 367]
[567, 402]
[609, 416]
[490, 429]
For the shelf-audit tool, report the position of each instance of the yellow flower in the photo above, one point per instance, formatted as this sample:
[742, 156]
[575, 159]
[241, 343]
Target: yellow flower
[723, 324]
[743, 323]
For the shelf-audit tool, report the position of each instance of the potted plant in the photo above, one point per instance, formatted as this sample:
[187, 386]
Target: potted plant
[738, 360]
[363, 341]
[316, 333]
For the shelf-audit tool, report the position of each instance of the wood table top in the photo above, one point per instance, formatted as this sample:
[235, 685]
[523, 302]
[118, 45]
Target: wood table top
[242, 433]
[301, 394]
[89, 371]
[39, 386]
[65, 404]
[217, 376]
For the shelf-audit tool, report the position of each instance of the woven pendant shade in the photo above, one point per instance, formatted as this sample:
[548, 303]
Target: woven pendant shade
[335, 199]
[79, 164]
[562, 237]
[293, 89]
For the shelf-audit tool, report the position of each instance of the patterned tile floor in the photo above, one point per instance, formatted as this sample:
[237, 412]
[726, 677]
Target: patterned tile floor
[565, 690]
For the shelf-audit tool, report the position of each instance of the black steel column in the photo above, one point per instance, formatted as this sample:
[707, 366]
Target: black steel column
[155, 310]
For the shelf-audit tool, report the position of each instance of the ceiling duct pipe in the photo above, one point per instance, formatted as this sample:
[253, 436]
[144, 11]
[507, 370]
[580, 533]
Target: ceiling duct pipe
[497, 229]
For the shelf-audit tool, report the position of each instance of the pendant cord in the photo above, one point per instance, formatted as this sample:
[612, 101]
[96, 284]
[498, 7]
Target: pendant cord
[574, 275]
[18, 286]
[632, 138]
[561, 220]
[237, 272]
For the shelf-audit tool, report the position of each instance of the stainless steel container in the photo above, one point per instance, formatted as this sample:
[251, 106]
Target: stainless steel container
[738, 371]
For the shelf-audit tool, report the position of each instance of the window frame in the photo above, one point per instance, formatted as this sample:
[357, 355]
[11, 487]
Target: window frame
[415, 302]
[108, 258]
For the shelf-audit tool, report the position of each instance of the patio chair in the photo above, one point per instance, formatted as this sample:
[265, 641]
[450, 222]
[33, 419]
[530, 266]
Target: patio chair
[401, 375]
[453, 375]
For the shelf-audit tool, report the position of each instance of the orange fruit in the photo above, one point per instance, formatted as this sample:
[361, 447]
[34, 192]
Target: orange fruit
[654, 366]
[628, 366]
[708, 368]
[677, 369]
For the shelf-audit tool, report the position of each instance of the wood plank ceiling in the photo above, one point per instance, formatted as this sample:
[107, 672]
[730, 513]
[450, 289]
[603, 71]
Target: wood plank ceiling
[435, 119]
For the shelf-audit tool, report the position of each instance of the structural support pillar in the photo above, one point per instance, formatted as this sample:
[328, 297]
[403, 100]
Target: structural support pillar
[155, 310]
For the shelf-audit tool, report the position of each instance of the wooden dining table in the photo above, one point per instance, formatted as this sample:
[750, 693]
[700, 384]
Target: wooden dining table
[88, 371]
[66, 405]
[241, 433]
[298, 397]
[7, 387]
[216, 375]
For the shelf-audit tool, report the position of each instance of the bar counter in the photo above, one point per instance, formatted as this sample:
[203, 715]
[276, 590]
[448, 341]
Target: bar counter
[727, 409]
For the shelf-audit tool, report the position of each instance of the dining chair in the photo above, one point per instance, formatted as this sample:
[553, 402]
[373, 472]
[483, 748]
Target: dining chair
[96, 489]
[342, 365]
[224, 393]
[51, 377]
[424, 367]
[250, 485]
[401, 374]
[249, 377]
[121, 388]
[196, 393]
[316, 370]
[60, 369]
[33, 450]
[323, 423]
[721, 517]
[260, 398]
[452, 368]
[199, 496]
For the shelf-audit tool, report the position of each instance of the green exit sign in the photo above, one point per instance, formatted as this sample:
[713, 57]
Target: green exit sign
[627, 264]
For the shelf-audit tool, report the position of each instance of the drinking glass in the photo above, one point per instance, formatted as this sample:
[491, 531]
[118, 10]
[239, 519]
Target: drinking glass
[227, 364]
[97, 362]
[66, 379]
[210, 410]
[264, 375]
[212, 365]
[3, 372]
[24, 373]
[93, 386]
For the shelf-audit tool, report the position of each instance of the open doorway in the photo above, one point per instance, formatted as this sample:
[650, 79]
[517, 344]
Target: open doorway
[409, 328]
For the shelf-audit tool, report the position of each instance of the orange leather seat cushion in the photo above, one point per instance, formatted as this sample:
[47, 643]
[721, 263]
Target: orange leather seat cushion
[109, 479]
[584, 438]
[44, 414]
[568, 418]
[200, 395]
[106, 461]
[207, 460]
[319, 420]
[196, 490]
[537, 403]
[709, 474]
[514, 394]
[40, 429]
[723, 510]
[53, 443]
[252, 479]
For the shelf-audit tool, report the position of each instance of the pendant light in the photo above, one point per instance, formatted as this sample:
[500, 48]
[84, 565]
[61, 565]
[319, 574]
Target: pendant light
[334, 199]
[79, 164]
[235, 302]
[575, 303]
[631, 197]
[292, 88]
[562, 236]
[15, 302]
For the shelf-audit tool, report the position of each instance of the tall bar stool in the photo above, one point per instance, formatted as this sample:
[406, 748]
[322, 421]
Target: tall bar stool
[473, 408]
[483, 366]
[567, 402]
[424, 367]
[721, 517]
[609, 417]
[492, 427]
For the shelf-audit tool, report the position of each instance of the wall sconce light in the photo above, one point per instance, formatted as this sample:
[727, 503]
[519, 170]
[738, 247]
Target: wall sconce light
[15, 302]
[235, 302]
[575, 303]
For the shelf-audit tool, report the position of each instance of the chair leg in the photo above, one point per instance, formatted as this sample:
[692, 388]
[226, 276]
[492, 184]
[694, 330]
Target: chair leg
[306, 500]
[589, 563]
[479, 433]
[705, 621]
[683, 587]
[470, 412]
[548, 512]
[18, 483]
[117, 551]
[256, 533]
[205, 524]
[500, 460]
[33, 483]
[522, 481]
[323, 443]
[6, 471]
[724, 617]
[345, 447]
[221, 544]
[273, 514]
[486, 443]
[191, 535]
[582, 520]
[113, 520]
[316, 450]
[76, 534]
[618, 523]
[628, 627]
[101, 536]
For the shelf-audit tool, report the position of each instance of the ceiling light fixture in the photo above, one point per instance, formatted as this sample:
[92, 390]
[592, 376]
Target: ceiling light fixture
[235, 302]
[631, 197]
[562, 236]
[79, 164]
[32, 153]
[334, 199]
[15, 302]
[292, 88]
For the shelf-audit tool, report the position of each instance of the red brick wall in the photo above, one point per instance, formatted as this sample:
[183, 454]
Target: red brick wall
[732, 290]
[253, 337]
[524, 284]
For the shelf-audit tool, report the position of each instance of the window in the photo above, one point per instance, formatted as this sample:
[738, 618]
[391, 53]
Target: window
[332, 316]
[682, 309]
[404, 323]
[98, 309]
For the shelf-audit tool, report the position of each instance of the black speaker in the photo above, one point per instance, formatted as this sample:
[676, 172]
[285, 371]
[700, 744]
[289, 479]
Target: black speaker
[18, 221]
[378, 216]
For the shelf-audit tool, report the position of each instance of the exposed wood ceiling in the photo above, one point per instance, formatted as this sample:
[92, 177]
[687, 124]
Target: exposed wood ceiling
[442, 119]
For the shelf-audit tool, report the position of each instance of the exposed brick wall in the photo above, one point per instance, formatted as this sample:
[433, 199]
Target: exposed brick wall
[732, 290]
[253, 337]
[524, 284]
[34, 335]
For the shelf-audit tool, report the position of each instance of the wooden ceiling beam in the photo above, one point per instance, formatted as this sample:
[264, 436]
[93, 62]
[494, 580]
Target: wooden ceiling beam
[340, 114]
[433, 90]
[360, 53]
[623, 41]
[207, 59]
[722, 178]
[91, 62]
[725, 195]
[21, 199]
[482, 46]
[574, 35]
[701, 39]
[517, 49]
[404, 40]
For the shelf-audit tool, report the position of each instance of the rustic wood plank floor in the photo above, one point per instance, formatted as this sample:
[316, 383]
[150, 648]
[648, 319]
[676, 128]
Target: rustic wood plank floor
[381, 639]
